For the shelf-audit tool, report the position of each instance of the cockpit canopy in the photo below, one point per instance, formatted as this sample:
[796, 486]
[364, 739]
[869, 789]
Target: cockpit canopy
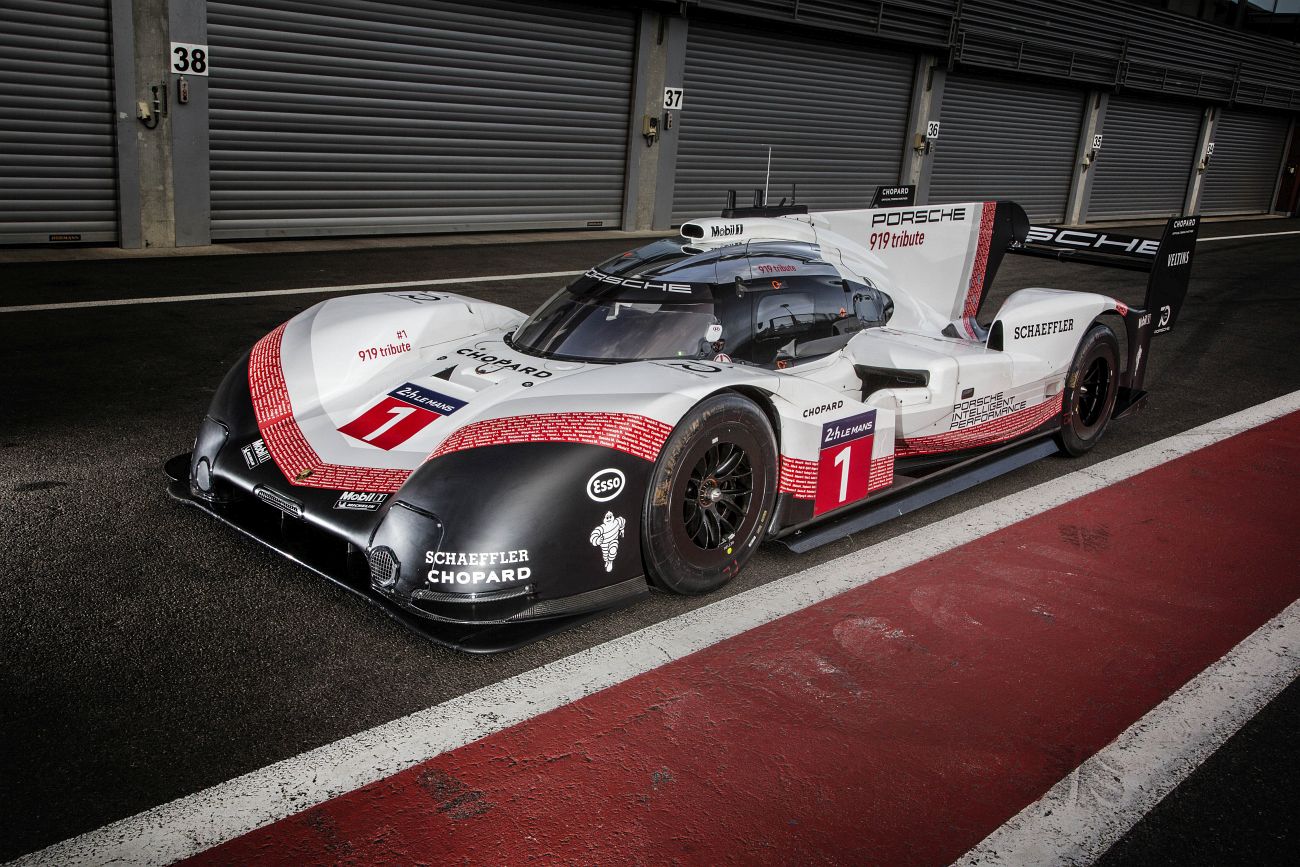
[769, 303]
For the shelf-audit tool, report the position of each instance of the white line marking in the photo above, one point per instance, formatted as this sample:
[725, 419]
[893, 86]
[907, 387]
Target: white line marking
[308, 290]
[1239, 237]
[1087, 812]
[367, 287]
[205, 819]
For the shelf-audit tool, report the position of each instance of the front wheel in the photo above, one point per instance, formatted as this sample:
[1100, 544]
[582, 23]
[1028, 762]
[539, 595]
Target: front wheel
[710, 497]
[1090, 390]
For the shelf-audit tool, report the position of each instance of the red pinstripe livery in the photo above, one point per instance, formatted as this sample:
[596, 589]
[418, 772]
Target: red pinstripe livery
[289, 448]
[989, 433]
[636, 435]
[798, 477]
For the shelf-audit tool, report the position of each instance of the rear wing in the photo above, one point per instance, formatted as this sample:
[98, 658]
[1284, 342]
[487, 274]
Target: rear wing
[1167, 261]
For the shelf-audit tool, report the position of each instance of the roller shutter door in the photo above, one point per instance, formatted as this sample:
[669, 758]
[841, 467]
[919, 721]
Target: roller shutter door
[57, 161]
[1243, 171]
[1146, 158]
[1007, 140]
[353, 116]
[834, 114]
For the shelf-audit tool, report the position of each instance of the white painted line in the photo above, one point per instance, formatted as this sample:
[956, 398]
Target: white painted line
[368, 287]
[1096, 804]
[308, 290]
[205, 819]
[1239, 237]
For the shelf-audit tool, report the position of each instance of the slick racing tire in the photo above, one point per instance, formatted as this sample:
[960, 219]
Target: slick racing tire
[1090, 390]
[711, 496]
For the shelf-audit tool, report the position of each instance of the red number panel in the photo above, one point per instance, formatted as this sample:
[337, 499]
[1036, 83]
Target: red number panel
[389, 423]
[844, 461]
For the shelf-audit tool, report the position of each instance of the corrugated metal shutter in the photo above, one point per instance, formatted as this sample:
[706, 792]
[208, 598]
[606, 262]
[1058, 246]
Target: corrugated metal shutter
[1012, 140]
[355, 116]
[57, 161]
[1243, 171]
[1146, 157]
[834, 114]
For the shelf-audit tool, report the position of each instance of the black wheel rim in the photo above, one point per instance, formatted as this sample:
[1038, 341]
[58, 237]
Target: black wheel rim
[1093, 390]
[717, 496]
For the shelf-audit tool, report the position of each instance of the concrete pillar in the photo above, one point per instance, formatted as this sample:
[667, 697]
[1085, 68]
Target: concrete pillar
[162, 177]
[928, 81]
[153, 177]
[191, 198]
[1203, 163]
[1284, 169]
[652, 168]
[128, 129]
[1086, 156]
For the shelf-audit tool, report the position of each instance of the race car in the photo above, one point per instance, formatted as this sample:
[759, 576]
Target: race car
[488, 477]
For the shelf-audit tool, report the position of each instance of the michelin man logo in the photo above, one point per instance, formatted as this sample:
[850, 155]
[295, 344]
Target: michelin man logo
[606, 536]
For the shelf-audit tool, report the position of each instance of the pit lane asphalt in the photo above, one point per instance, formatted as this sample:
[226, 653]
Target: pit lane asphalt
[151, 652]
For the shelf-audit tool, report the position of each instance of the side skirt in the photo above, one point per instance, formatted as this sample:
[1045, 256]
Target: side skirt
[912, 493]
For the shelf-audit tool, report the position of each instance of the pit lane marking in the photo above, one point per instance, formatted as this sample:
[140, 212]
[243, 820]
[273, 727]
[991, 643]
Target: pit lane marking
[1239, 237]
[198, 822]
[266, 293]
[367, 287]
[1076, 821]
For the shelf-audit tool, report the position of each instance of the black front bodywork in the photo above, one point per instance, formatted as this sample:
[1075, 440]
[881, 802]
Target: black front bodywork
[482, 549]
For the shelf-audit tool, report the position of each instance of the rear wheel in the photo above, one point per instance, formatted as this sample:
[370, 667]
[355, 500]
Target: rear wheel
[710, 497]
[1090, 390]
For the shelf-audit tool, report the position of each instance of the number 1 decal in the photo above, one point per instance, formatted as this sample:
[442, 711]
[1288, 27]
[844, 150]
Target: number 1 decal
[844, 457]
[844, 462]
[403, 413]
[398, 413]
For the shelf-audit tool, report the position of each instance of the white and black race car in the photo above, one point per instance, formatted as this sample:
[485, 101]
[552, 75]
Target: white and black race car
[488, 477]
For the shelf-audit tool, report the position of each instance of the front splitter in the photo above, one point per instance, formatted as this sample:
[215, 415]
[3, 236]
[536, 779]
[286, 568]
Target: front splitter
[268, 529]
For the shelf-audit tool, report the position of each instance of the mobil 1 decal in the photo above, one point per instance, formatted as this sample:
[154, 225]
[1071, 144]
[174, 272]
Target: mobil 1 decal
[403, 413]
[844, 461]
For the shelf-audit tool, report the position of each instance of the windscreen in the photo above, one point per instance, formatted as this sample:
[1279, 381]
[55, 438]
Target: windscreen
[605, 329]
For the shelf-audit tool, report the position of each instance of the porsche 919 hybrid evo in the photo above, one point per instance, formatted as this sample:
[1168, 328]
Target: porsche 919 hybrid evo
[488, 476]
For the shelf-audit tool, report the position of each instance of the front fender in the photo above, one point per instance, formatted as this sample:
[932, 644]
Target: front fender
[495, 532]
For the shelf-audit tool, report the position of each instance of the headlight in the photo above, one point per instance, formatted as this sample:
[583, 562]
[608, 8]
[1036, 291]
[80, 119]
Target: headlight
[212, 436]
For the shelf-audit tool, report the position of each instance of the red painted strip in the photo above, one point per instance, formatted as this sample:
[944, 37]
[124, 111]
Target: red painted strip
[898, 723]
[635, 434]
[289, 448]
[998, 430]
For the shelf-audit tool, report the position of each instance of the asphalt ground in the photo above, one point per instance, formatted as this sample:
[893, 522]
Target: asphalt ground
[151, 652]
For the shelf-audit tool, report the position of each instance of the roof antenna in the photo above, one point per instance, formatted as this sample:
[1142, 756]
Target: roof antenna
[767, 180]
